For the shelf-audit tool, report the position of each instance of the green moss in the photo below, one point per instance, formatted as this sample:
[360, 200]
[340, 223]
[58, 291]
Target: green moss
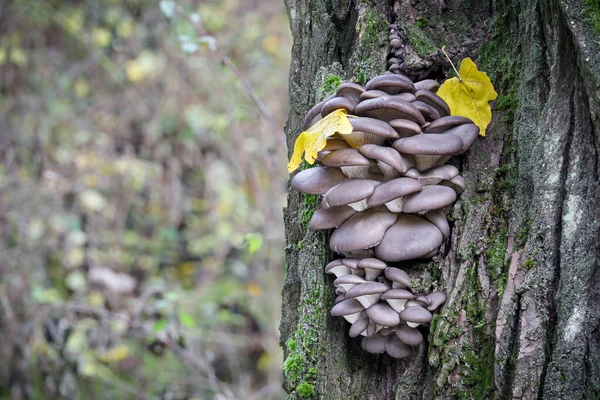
[375, 28]
[293, 366]
[420, 42]
[309, 206]
[421, 22]
[291, 345]
[496, 254]
[305, 390]
[591, 11]
[330, 85]
[528, 264]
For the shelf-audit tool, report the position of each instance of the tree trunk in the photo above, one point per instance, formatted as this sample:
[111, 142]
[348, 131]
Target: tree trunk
[521, 266]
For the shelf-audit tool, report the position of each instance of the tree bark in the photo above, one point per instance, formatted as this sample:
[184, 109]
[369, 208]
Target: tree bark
[521, 268]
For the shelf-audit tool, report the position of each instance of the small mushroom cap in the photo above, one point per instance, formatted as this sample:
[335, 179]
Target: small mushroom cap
[405, 127]
[429, 113]
[438, 218]
[346, 307]
[397, 275]
[408, 335]
[436, 299]
[457, 183]
[436, 174]
[388, 156]
[373, 94]
[390, 108]
[434, 101]
[358, 327]
[369, 130]
[408, 238]
[392, 84]
[443, 124]
[398, 294]
[383, 315]
[415, 314]
[394, 347]
[427, 84]
[332, 144]
[331, 217]
[339, 298]
[413, 173]
[317, 180]
[314, 113]
[393, 60]
[374, 344]
[362, 231]
[351, 262]
[404, 96]
[367, 288]
[372, 267]
[346, 157]
[350, 91]
[351, 191]
[337, 268]
[430, 198]
[428, 143]
[467, 133]
[338, 103]
[393, 189]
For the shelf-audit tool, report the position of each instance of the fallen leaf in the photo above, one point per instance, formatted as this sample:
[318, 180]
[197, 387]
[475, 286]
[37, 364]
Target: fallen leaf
[313, 140]
[468, 96]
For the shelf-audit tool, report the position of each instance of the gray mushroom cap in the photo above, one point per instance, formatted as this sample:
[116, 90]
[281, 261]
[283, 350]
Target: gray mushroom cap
[397, 298]
[350, 192]
[337, 268]
[434, 101]
[331, 217]
[389, 108]
[405, 127]
[415, 315]
[345, 157]
[398, 277]
[374, 344]
[373, 94]
[348, 306]
[393, 189]
[332, 144]
[408, 335]
[347, 282]
[436, 299]
[444, 124]
[389, 161]
[430, 198]
[429, 149]
[373, 267]
[437, 174]
[428, 112]
[369, 130]
[392, 84]
[457, 183]
[338, 103]
[382, 314]
[427, 84]
[317, 180]
[359, 327]
[367, 293]
[467, 134]
[394, 347]
[438, 218]
[410, 237]
[362, 231]
[350, 91]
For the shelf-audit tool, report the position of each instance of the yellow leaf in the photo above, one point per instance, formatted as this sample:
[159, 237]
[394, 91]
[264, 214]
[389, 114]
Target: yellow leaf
[469, 95]
[115, 354]
[313, 140]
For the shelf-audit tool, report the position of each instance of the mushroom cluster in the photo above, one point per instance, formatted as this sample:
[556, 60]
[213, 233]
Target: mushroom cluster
[385, 187]
[379, 303]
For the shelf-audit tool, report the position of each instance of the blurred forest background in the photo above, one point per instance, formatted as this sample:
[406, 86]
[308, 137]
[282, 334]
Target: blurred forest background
[141, 238]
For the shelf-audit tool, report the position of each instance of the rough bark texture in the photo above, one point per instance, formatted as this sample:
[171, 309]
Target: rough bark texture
[521, 268]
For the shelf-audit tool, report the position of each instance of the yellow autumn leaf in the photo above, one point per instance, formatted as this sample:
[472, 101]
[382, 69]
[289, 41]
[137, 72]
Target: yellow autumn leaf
[468, 96]
[313, 140]
[115, 354]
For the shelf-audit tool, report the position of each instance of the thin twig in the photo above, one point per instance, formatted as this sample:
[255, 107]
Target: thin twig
[279, 134]
[451, 63]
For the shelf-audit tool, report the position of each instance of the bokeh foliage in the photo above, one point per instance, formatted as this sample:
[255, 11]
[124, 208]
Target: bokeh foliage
[140, 200]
